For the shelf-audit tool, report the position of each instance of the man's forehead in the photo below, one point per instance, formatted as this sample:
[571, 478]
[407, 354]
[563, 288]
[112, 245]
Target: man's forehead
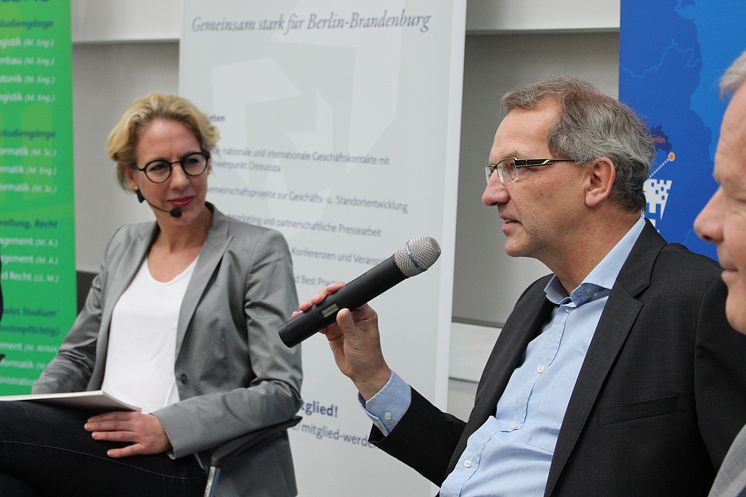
[523, 129]
[735, 112]
[730, 157]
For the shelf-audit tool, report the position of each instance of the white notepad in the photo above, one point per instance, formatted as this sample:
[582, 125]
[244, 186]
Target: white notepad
[96, 400]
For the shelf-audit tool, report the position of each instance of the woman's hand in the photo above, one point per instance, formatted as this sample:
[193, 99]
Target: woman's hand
[143, 430]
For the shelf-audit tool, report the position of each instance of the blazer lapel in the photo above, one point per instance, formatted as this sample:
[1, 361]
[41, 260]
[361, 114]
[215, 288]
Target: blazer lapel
[130, 259]
[524, 324]
[506, 356]
[616, 321]
[212, 252]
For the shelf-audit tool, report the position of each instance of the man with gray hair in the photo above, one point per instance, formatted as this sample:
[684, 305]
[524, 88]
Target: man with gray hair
[610, 375]
[723, 222]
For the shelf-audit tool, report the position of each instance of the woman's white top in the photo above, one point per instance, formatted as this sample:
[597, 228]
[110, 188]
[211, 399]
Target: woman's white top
[142, 341]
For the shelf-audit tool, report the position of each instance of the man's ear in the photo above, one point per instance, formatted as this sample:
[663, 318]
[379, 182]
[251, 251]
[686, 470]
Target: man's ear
[599, 181]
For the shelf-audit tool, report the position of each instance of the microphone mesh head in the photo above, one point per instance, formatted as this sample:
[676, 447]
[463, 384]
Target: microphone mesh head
[417, 255]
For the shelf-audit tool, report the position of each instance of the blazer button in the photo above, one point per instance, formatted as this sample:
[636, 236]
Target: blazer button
[184, 379]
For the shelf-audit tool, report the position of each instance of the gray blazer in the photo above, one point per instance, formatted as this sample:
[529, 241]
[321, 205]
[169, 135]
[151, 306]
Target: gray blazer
[731, 479]
[233, 373]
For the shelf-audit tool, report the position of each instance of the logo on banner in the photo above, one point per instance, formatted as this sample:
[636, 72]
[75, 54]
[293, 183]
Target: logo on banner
[656, 195]
[656, 190]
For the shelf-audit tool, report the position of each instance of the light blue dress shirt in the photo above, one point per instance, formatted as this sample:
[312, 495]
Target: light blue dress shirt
[510, 454]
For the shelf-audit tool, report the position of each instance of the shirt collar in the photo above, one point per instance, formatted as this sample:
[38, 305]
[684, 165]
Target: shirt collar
[599, 281]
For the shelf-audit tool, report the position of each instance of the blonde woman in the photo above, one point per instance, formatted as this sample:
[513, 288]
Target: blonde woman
[181, 321]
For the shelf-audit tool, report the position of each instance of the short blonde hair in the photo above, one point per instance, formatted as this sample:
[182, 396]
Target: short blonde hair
[121, 144]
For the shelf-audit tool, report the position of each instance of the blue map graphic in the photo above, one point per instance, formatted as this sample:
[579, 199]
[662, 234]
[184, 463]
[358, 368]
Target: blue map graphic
[672, 54]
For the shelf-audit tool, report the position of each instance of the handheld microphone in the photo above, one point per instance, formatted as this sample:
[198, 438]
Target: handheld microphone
[417, 255]
[175, 212]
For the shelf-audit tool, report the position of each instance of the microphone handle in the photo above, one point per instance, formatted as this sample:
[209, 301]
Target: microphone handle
[357, 292]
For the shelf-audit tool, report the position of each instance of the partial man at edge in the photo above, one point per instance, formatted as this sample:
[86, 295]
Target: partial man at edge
[612, 375]
[723, 222]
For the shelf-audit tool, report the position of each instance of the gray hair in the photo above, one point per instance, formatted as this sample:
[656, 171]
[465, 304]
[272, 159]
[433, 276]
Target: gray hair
[734, 76]
[593, 125]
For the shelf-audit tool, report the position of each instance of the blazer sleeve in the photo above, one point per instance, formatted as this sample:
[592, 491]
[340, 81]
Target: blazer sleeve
[424, 439]
[273, 371]
[71, 368]
[719, 374]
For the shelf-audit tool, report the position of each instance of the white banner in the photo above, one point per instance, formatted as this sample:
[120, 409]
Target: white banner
[340, 127]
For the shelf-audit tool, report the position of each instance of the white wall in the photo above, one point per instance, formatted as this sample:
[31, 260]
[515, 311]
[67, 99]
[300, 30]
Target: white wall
[116, 21]
[122, 50]
[511, 16]
[106, 78]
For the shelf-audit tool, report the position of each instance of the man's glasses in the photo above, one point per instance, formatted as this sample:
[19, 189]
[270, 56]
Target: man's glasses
[507, 169]
[159, 170]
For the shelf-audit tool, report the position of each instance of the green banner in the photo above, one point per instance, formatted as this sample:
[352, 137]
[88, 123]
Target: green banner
[37, 232]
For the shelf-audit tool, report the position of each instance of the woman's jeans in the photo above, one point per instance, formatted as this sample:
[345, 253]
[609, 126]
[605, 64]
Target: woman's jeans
[44, 451]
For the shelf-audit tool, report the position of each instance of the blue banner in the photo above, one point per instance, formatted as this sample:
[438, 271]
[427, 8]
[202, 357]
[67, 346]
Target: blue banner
[672, 54]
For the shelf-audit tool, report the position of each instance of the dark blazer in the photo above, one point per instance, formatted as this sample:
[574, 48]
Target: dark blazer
[660, 394]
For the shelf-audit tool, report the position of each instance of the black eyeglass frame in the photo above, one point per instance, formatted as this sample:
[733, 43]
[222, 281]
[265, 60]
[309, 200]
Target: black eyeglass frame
[144, 169]
[519, 164]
